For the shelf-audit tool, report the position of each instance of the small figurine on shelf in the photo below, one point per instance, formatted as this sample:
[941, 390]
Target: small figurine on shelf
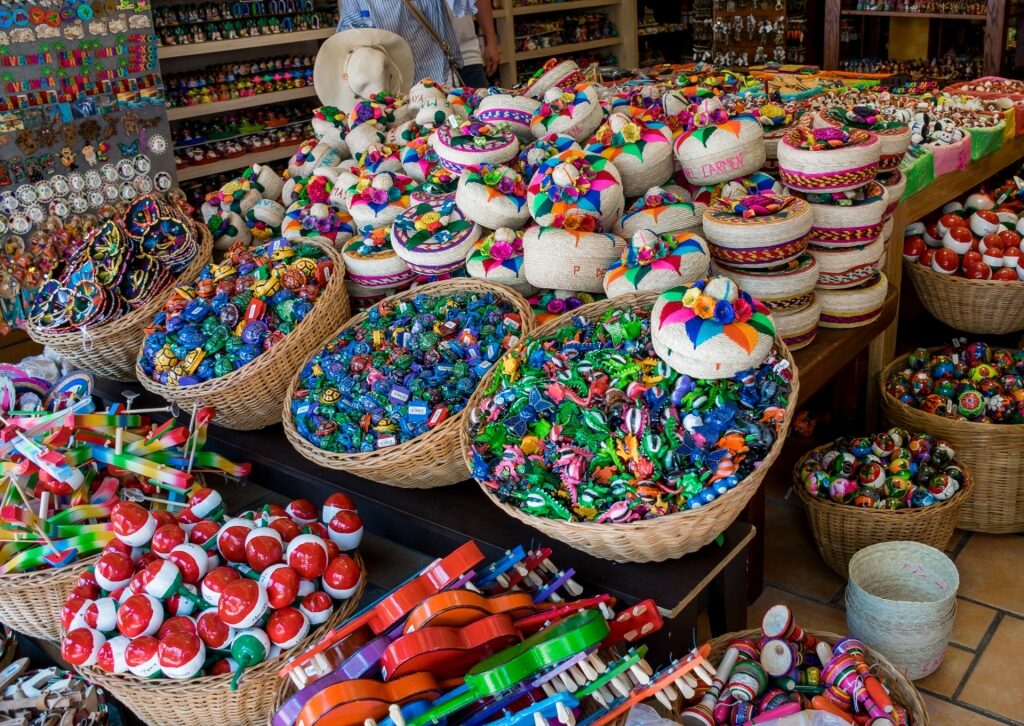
[760, 57]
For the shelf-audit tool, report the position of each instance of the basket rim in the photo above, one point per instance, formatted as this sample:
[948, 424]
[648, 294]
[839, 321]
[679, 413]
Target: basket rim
[338, 460]
[893, 402]
[859, 138]
[673, 519]
[894, 515]
[915, 268]
[26, 579]
[143, 314]
[264, 360]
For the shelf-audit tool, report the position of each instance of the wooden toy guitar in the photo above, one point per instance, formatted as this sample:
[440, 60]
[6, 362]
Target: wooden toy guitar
[448, 652]
[456, 608]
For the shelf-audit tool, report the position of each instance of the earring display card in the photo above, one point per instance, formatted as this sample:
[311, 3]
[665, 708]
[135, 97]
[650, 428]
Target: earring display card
[83, 119]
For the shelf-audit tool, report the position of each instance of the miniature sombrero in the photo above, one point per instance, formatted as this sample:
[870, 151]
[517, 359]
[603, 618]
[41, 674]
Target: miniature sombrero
[641, 151]
[434, 239]
[361, 63]
[498, 257]
[473, 143]
[574, 257]
[711, 329]
[662, 211]
[513, 110]
[653, 262]
[575, 182]
[370, 261]
[376, 200]
[575, 112]
[493, 196]
[758, 231]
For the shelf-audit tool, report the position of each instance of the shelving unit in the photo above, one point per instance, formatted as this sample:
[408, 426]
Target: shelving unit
[257, 41]
[622, 14]
[237, 162]
[234, 104]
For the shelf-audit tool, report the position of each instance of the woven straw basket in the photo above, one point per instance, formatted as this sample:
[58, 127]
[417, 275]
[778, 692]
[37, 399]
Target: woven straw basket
[560, 260]
[723, 154]
[684, 217]
[991, 452]
[653, 167]
[971, 306]
[32, 601]
[834, 170]
[209, 699]
[493, 211]
[784, 289]
[902, 689]
[427, 461]
[842, 530]
[895, 184]
[853, 307]
[250, 397]
[514, 110]
[837, 226]
[649, 540]
[799, 328]
[758, 242]
[847, 267]
[901, 601]
[109, 350]
[895, 140]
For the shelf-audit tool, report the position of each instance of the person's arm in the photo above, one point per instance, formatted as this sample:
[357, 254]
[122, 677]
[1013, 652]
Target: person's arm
[492, 49]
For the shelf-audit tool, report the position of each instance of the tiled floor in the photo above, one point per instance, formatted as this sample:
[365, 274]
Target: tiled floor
[979, 682]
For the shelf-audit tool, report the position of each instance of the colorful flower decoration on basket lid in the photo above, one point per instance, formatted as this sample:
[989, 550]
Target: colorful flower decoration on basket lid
[318, 220]
[380, 157]
[379, 109]
[654, 261]
[867, 194]
[498, 257]
[642, 151]
[439, 182]
[380, 190]
[575, 112]
[758, 205]
[824, 139]
[555, 72]
[756, 183]
[426, 91]
[501, 178]
[711, 329]
[419, 158]
[493, 196]
[330, 125]
[533, 156]
[429, 223]
[468, 142]
[774, 116]
[710, 112]
[662, 211]
[464, 100]
[576, 182]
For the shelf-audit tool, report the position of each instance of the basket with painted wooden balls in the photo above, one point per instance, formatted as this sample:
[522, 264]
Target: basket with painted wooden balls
[967, 394]
[169, 663]
[498, 258]
[415, 442]
[205, 350]
[757, 232]
[471, 143]
[579, 184]
[434, 238]
[598, 482]
[720, 148]
[655, 263]
[853, 307]
[640, 150]
[574, 112]
[753, 677]
[846, 267]
[893, 135]
[103, 332]
[513, 110]
[828, 159]
[847, 219]
[895, 183]
[574, 255]
[888, 487]
[663, 211]
[493, 196]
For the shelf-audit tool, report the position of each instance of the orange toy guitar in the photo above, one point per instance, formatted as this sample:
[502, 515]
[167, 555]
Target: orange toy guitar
[457, 608]
[352, 702]
[448, 652]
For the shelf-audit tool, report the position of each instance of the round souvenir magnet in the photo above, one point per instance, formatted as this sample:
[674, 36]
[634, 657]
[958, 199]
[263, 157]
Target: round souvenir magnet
[93, 180]
[44, 190]
[108, 172]
[60, 185]
[79, 204]
[9, 203]
[126, 169]
[142, 164]
[157, 145]
[26, 194]
[84, 12]
[143, 184]
[96, 197]
[111, 193]
[60, 207]
[163, 181]
[20, 223]
[128, 192]
[77, 182]
[35, 213]
[4, 224]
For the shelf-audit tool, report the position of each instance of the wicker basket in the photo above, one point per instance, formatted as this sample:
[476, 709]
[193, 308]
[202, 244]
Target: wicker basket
[902, 689]
[895, 140]
[991, 452]
[720, 153]
[250, 397]
[557, 259]
[427, 461]
[834, 170]
[799, 328]
[971, 306]
[209, 699]
[32, 601]
[842, 268]
[841, 530]
[648, 540]
[109, 350]
[751, 243]
[853, 307]
[836, 226]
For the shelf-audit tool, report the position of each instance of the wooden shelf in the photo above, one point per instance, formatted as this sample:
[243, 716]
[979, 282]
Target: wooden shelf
[558, 50]
[237, 162]
[234, 104]
[258, 41]
[561, 7]
[930, 16]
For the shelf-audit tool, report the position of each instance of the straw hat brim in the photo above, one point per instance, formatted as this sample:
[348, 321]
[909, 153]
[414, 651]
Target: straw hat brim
[329, 70]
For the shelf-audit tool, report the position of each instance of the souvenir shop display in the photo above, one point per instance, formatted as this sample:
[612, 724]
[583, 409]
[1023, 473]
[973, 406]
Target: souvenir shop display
[53, 695]
[655, 263]
[212, 21]
[112, 281]
[385, 396]
[192, 619]
[613, 485]
[966, 394]
[893, 485]
[238, 80]
[234, 336]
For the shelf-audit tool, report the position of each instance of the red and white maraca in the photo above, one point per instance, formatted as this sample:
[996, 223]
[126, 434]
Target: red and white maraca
[132, 524]
[181, 655]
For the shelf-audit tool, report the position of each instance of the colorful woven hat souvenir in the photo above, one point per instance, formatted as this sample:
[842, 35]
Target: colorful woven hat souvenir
[828, 160]
[493, 196]
[758, 231]
[572, 258]
[513, 110]
[653, 263]
[330, 126]
[782, 289]
[532, 156]
[642, 152]
[498, 257]
[711, 329]
[662, 211]
[722, 148]
[381, 157]
[575, 182]
[376, 200]
[893, 136]
[434, 239]
[310, 155]
[371, 261]
[472, 143]
[853, 307]
[425, 91]
[574, 112]
[798, 328]
[564, 74]
[848, 219]
[844, 267]
[361, 137]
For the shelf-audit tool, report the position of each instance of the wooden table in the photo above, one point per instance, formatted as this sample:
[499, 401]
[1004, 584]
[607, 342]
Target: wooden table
[436, 521]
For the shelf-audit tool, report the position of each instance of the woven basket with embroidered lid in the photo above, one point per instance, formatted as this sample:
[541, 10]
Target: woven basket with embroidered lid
[853, 307]
[799, 328]
[845, 267]
[895, 182]
[828, 170]
[720, 152]
[430, 251]
[561, 259]
[893, 135]
[774, 236]
[473, 143]
[512, 109]
[663, 211]
[576, 183]
[783, 289]
[849, 225]
[641, 151]
[654, 263]
[574, 112]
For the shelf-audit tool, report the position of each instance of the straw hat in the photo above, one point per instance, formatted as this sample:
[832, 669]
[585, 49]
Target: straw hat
[360, 63]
